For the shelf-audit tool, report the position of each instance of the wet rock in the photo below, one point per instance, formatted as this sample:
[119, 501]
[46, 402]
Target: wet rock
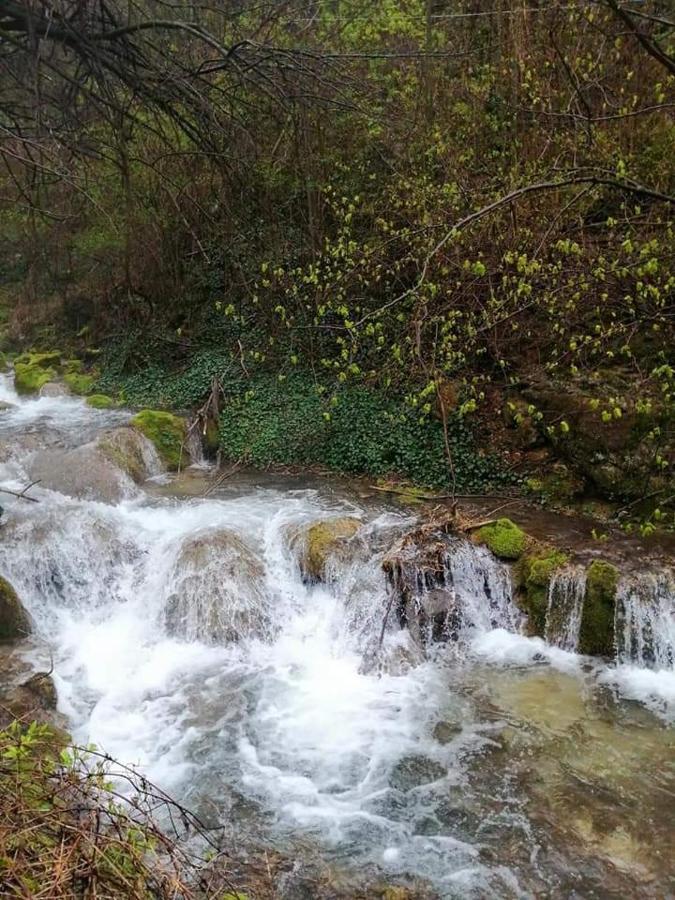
[131, 451]
[445, 732]
[14, 620]
[596, 634]
[38, 693]
[315, 544]
[85, 473]
[5, 405]
[218, 591]
[168, 433]
[54, 389]
[414, 771]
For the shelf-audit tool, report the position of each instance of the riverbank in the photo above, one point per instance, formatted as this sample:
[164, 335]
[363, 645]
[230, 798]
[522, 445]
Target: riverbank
[293, 421]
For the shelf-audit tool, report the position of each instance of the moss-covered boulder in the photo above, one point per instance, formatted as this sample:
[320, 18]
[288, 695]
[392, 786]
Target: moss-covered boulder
[596, 635]
[504, 538]
[534, 573]
[79, 383]
[168, 433]
[131, 451]
[316, 543]
[14, 620]
[30, 376]
[101, 401]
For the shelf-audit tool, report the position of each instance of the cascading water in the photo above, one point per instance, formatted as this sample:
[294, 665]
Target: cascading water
[645, 620]
[566, 593]
[185, 639]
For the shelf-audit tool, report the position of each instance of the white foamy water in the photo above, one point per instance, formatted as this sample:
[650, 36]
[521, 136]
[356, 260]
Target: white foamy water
[566, 594]
[185, 640]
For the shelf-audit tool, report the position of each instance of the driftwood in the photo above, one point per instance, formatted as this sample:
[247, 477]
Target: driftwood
[22, 495]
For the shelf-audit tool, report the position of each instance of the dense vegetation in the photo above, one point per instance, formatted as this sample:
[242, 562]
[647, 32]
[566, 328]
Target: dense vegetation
[383, 226]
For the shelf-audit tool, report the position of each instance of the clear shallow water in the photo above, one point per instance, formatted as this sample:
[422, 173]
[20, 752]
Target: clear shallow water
[509, 768]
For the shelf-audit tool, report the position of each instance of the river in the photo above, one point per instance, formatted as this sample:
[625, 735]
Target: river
[500, 766]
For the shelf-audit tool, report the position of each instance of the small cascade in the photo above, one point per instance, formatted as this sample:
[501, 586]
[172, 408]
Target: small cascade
[450, 589]
[565, 606]
[194, 444]
[8, 393]
[645, 620]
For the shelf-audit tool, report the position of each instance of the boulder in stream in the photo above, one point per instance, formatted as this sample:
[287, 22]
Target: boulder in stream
[14, 620]
[129, 449]
[85, 473]
[218, 591]
[54, 389]
[315, 544]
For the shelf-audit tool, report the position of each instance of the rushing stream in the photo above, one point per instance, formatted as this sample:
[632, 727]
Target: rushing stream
[185, 640]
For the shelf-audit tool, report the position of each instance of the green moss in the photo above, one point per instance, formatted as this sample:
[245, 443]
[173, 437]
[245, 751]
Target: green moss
[504, 538]
[167, 433]
[596, 635]
[534, 575]
[14, 620]
[47, 360]
[72, 366]
[101, 401]
[78, 383]
[29, 377]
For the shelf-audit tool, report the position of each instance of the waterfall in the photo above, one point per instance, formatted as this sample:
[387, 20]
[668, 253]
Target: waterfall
[450, 589]
[566, 593]
[645, 620]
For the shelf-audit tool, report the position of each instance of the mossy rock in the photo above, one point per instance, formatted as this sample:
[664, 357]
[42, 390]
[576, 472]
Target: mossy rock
[596, 635]
[14, 620]
[124, 447]
[320, 540]
[79, 383]
[504, 538]
[101, 401]
[534, 575]
[29, 378]
[167, 432]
